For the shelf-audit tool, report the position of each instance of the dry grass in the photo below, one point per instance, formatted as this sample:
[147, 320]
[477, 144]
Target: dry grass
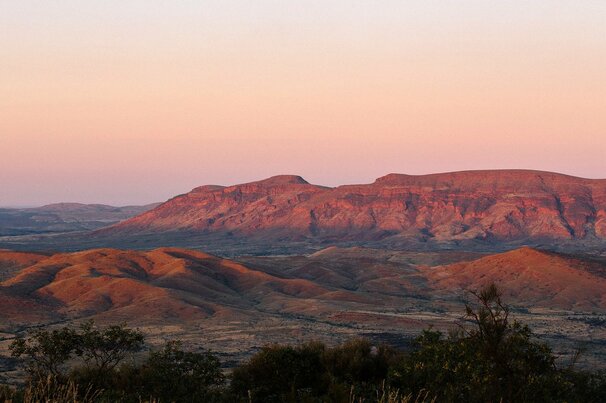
[50, 390]
[388, 395]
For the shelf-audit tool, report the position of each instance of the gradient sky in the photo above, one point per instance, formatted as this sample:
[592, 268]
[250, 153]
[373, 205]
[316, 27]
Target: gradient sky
[126, 102]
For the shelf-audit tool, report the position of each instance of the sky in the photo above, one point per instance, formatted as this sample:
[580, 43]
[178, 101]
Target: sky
[131, 102]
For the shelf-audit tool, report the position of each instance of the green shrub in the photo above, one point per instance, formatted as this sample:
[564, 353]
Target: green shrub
[172, 374]
[494, 360]
[101, 351]
[357, 367]
[282, 374]
[46, 352]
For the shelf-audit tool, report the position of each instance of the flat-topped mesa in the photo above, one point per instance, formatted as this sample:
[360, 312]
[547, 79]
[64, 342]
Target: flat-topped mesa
[207, 188]
[280, 180]
[492, 206]
[393, 178]
[478, 178]
[282, 191]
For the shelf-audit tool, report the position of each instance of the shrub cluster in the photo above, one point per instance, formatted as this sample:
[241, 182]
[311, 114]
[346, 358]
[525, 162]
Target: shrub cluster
[313, 371]
[90, 361]
[488, 359]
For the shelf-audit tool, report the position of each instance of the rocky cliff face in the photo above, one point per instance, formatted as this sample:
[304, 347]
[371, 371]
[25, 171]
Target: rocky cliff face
[508, 205]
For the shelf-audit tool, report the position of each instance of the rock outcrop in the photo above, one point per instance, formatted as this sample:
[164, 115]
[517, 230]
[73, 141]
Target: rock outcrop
[507, 205]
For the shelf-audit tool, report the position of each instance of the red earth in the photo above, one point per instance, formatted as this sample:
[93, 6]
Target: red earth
[500, 205]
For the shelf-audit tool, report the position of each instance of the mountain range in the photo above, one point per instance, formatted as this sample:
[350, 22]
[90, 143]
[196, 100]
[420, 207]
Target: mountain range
[64, 217]
[487, 207]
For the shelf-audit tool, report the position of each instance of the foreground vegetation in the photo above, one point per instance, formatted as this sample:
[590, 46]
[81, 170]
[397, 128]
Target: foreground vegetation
[488, 359]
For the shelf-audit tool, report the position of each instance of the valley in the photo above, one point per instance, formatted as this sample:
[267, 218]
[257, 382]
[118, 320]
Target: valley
[235, 306]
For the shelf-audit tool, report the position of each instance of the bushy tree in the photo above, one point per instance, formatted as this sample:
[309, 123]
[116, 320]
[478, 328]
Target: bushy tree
[359, 361]
[357, 364]
[172, 374]
[46, 352]
[586, 386]
[94, 352]
[101, 350]
[313, 371]
[493, 360]
[282, 374]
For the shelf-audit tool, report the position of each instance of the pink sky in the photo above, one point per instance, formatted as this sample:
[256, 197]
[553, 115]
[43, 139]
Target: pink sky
[134, 102]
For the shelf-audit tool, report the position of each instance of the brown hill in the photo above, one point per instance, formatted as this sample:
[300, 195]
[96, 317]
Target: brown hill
[528, 277]
[331, 295]
[167, 284]
[15, 260]
[508, 205]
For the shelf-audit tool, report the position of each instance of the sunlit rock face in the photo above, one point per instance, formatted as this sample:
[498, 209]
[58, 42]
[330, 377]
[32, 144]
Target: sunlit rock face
[507, 205]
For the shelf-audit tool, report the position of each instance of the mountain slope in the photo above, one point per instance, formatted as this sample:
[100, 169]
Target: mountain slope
[180, 286]
[529, 276]
[163, 284]
[64, 217]
[492, 206]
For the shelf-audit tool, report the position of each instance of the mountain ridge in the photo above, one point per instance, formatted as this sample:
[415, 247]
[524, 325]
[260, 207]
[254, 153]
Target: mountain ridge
[64, 217]
[486, 205]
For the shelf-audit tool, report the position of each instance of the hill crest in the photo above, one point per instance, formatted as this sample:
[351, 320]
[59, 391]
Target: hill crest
[486, 206]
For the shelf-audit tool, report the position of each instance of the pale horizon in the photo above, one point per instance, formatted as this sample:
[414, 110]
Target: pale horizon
[126, 103]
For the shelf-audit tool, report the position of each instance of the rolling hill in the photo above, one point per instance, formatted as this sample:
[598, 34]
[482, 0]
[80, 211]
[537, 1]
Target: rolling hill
[162, 285]
[172, 285]
[529, 276]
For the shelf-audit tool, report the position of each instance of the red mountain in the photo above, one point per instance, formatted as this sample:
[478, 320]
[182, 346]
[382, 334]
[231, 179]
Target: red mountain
[500, 205]
[535, 277]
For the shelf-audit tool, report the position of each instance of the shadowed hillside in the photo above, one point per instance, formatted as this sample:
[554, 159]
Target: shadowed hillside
[64, 217]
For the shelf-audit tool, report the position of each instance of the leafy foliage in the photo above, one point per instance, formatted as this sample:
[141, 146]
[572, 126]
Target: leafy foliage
[282, 373]
[46, 351]
[359, 361]
[103, 349]
[172, 374]
[357, 367]
[494, 360]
